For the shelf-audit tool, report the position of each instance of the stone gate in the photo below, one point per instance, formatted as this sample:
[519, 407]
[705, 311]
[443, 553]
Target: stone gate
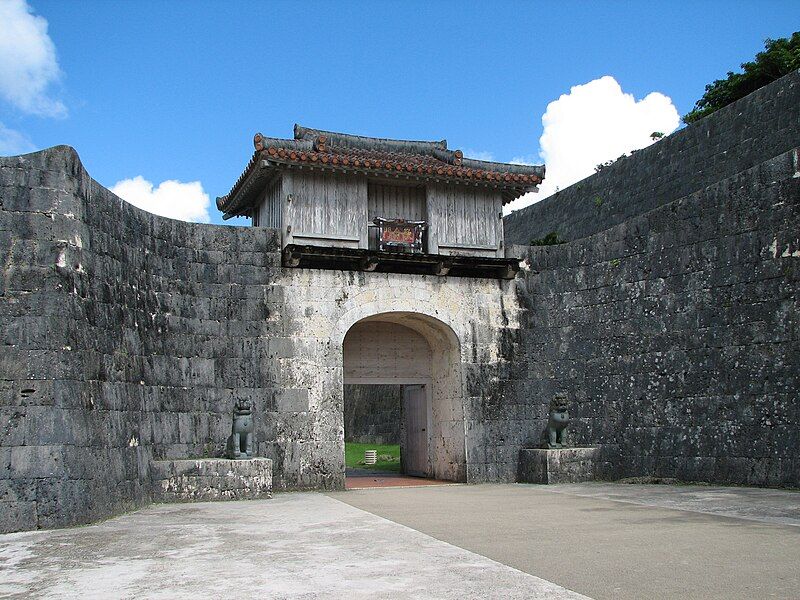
[669, 316]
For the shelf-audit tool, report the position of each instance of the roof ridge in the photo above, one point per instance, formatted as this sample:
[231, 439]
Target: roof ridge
[349, 140]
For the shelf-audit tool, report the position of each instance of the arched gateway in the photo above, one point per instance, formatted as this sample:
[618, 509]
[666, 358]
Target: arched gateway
[422, 354]
[398, 245]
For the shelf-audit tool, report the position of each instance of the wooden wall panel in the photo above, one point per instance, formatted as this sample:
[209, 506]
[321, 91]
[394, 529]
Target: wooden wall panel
[465, 220]
[335, 210]
[396, 202]
[268, 213]
[326, 209]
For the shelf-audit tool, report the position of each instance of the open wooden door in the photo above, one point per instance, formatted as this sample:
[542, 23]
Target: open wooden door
[415, 416]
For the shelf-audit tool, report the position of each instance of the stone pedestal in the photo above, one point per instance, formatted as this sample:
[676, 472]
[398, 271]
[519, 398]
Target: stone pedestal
[564, 465]
[206, 479]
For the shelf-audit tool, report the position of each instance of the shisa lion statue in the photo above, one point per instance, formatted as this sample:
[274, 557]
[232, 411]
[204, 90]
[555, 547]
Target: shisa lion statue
[557, 422]
[240, 442]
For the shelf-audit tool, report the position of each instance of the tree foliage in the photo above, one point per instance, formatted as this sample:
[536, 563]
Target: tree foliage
[551, 239]
[780, 57]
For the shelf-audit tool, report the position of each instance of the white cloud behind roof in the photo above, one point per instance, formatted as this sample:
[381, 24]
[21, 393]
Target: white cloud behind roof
[593, 123]
[171, 198]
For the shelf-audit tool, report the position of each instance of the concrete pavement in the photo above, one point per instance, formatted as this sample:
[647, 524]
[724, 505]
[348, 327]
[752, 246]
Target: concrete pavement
[482, 541]
[753, 504]
[628, 547]
[298, 546]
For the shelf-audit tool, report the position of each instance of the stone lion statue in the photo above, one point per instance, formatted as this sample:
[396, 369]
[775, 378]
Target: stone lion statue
[556, 433]
[240, 442]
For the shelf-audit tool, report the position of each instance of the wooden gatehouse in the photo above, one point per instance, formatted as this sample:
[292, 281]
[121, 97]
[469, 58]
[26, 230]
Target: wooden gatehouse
[360, 203]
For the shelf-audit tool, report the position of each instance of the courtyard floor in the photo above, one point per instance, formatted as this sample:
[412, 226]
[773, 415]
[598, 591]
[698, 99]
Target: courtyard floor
[458, 541]
[362, 479]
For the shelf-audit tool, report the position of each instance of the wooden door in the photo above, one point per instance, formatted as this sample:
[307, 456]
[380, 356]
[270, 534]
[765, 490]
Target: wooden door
[415, 417]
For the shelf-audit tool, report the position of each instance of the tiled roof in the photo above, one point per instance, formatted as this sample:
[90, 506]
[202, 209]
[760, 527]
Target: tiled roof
[405, 159]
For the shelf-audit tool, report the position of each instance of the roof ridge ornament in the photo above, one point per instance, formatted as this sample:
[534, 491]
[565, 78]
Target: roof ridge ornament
[363, 142]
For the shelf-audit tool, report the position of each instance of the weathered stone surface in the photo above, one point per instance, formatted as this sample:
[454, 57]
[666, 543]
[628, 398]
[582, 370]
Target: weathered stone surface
[670, 320]
[373, 413]
[17, 516]
[675, 334]
[128, 337]
[205, 479]
[562, 465]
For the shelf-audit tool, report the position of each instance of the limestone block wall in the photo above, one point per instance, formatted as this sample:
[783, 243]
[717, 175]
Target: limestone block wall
[676, 334]
[671, 318]
[671, 321]
[209, 479]
[739, 136]
[373, 413]
[127, 337]
[473, 315]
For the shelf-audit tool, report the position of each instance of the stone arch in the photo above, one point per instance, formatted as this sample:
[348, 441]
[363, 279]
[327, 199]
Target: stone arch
[360, 307]
[446, 441]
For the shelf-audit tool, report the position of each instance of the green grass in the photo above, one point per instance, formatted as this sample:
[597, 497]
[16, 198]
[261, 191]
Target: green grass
[354, 455]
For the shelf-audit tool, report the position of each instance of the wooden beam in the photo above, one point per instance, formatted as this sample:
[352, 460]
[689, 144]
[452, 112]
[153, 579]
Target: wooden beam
[442, 268]
[369, 263]
[291, 258]
[509, 272]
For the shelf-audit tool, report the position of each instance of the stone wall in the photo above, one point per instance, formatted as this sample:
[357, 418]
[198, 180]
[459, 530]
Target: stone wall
[671, 318]
[373, 413]
[467, 323]
[209, 479]
[127, 337]
[763, 125]
[671, 321]
[676, 334]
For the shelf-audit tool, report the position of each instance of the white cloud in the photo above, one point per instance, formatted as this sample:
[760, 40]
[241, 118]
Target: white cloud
[174, 199]
[478, 154]
[28, 64]
[13, 142]
[594, 123]
[528, 159]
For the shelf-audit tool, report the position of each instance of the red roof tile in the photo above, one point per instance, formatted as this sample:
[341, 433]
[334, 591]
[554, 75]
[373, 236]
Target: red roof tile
[342, 152]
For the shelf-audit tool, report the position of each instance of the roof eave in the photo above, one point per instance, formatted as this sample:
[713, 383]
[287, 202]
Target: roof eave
[242, 198]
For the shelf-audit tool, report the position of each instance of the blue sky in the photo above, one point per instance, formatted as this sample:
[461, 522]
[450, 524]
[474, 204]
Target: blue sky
[176, 90]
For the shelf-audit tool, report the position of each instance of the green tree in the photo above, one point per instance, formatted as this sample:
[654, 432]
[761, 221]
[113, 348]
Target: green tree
[551, 239]
[780, 57]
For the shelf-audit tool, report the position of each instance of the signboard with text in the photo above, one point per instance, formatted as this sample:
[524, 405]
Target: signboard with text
[398, 234]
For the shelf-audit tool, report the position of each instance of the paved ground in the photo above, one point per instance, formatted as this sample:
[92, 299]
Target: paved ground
[464, 542]
[631, 546]
[300, 546]
[753, 504]
[360, 479]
